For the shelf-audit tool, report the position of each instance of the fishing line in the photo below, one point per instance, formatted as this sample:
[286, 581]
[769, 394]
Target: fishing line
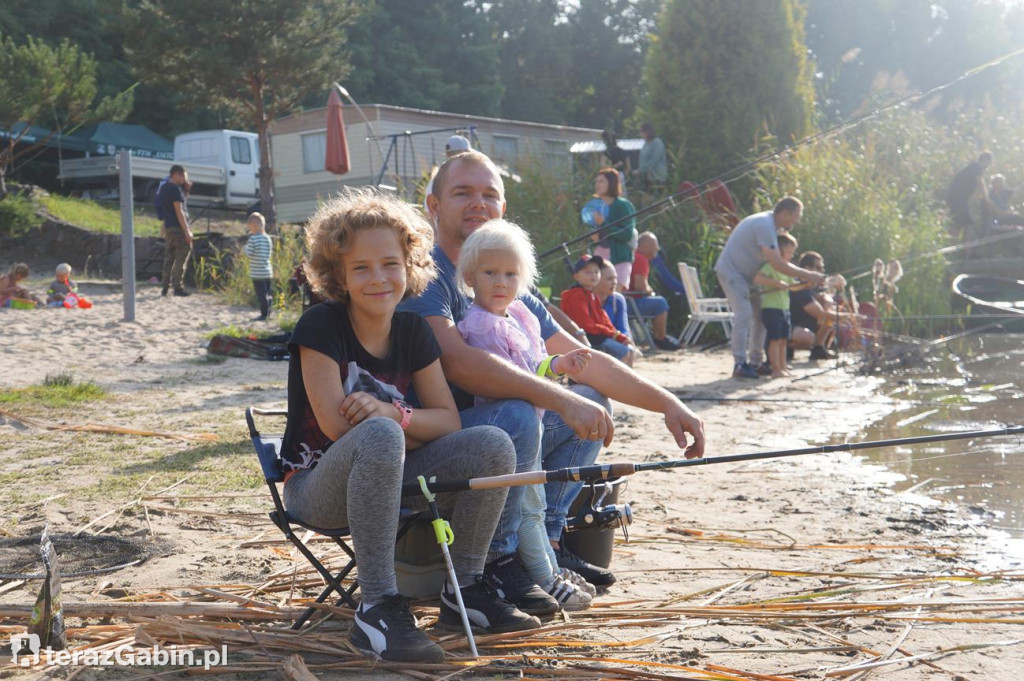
[895, 402]
[60, 133]
[734, 174]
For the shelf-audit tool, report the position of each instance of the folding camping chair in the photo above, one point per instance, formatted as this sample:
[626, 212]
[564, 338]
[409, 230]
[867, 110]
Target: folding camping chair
[638, 323]
[268, 449]
[703, 311]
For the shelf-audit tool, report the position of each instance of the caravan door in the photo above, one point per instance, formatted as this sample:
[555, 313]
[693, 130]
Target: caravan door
[242, 165]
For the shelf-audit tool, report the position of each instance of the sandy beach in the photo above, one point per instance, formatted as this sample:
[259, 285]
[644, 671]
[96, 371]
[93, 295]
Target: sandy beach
[778, 569]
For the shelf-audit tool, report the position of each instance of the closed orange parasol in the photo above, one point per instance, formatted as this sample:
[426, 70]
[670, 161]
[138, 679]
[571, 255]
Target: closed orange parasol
[337, 145]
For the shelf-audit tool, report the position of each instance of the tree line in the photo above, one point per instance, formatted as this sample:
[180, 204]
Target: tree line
[719, 78]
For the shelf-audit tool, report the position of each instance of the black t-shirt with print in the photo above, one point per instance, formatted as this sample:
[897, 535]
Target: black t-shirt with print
[327, 329]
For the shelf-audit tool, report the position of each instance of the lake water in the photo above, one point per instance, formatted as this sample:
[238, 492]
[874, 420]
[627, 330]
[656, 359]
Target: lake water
[976, 383]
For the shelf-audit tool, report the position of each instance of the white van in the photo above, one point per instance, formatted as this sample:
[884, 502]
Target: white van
[235, 151]
[222, 164]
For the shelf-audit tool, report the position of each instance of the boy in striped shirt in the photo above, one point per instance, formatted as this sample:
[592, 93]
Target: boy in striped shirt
[258, 249]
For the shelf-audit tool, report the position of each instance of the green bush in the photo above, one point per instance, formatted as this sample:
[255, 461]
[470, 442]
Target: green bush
[17, 215]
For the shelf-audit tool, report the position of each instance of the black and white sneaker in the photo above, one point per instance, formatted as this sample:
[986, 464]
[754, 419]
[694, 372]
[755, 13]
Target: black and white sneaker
[510, 579]
[486, 609]
[596, 575]
[388, 631]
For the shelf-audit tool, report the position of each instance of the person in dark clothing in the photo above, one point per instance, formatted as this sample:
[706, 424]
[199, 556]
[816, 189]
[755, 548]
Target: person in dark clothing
[177, 234]
[966, 185]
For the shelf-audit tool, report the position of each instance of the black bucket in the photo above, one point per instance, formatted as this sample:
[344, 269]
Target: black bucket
[594, 544]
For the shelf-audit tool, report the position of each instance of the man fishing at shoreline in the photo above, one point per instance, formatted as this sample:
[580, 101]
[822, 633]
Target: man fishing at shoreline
[468, 191]
[753, 242]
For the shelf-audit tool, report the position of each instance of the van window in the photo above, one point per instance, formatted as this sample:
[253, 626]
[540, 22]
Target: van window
[241, 152]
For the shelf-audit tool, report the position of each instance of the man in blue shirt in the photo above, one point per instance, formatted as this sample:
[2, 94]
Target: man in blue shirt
[467, 192]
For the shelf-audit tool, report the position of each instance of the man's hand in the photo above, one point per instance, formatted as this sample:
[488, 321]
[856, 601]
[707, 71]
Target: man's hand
[571, 363]
[680, 421]
[359, 406]
[188, 237]
[587, 419]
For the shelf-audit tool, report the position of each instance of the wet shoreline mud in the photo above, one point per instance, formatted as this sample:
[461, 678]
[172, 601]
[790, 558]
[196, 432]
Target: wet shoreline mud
[794, 568]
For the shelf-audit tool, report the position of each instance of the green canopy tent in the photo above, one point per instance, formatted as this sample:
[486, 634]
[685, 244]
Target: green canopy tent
[106, 139]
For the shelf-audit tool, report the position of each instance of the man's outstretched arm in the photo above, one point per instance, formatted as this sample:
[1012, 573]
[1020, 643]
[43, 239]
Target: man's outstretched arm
[614, 379]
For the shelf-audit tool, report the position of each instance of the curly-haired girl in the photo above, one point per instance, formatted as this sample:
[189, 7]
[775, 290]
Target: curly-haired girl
[352, 439]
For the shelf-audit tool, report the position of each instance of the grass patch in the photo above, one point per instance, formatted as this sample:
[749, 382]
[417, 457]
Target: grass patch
[57, 390]
[96, 217]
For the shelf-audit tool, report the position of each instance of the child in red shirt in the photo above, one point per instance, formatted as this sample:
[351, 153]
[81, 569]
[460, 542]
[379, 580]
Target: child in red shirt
[584, 307]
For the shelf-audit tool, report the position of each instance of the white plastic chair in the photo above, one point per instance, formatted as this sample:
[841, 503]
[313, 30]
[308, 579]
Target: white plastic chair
[703, 311]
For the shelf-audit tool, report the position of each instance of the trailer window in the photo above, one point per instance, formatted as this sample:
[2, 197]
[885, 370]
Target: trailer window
[241, 151]
[506, 150]
[314, 151]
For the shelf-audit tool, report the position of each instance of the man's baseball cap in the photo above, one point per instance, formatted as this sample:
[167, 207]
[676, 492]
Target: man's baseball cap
[457, 143]
[586, 260]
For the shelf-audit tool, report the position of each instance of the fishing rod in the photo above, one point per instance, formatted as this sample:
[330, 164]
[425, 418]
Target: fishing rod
[618, 470]
[693, 192]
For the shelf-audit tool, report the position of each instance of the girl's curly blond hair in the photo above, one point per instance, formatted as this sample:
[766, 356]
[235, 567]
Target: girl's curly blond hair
[331, 231]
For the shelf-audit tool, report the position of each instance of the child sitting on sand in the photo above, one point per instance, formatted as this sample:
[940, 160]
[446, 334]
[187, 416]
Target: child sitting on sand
[61, 286]
[497, 266]
[12, 294]
[775, 306]
[584, 307]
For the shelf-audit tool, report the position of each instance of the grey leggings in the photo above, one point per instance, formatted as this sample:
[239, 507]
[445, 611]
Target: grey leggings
[356, 483]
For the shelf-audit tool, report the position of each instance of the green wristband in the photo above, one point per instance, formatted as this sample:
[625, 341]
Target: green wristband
[544, 369]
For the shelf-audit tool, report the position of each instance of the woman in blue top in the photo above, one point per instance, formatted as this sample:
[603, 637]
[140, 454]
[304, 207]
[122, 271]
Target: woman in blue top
[617, 245]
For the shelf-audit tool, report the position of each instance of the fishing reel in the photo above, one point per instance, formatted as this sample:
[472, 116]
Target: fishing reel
[599, 516]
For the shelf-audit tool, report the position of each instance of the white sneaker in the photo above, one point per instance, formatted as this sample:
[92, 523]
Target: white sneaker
[569, 596]
[577, 579]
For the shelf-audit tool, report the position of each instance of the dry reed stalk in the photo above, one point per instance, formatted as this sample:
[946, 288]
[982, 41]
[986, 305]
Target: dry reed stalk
[118, 510]
[295, 669]
[971, 577]
[698, 535]
[128, 610]
[938, 654]
[115, 430]
[221, 595]
[248, 517]
[869, 651]
[749, 675]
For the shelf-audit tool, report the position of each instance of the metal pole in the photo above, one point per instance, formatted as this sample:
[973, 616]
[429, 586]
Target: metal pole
[124, 163]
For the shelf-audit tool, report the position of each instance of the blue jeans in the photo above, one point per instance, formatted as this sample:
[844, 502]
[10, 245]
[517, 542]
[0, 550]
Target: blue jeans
[614, 348]
[520, 421]
[651, 306]
[560, 448]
